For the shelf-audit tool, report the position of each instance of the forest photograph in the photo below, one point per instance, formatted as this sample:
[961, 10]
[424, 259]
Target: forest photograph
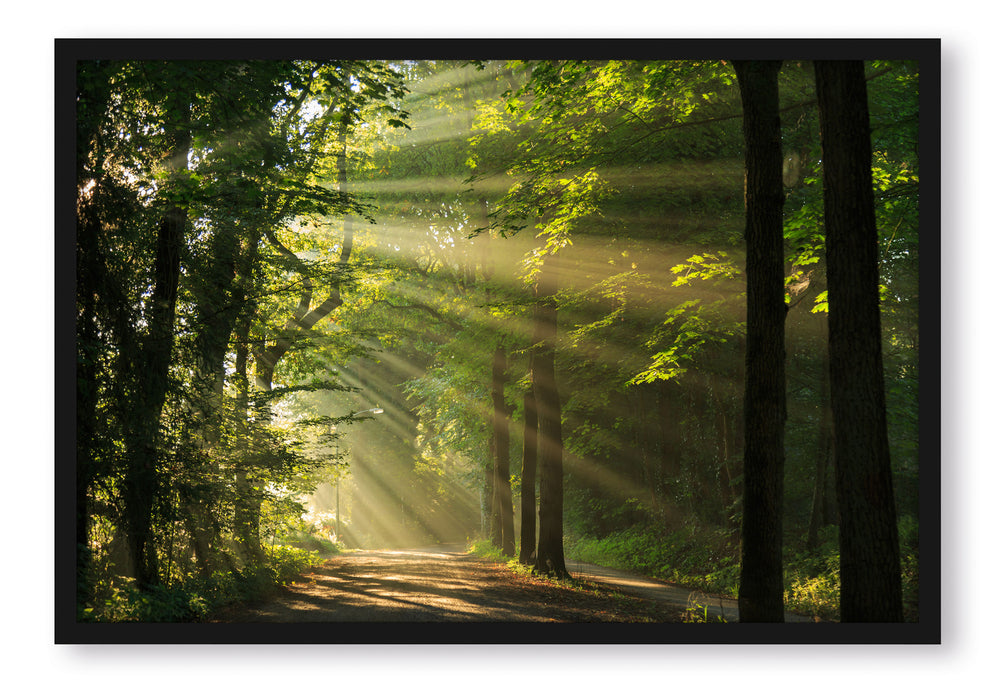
[621, 334]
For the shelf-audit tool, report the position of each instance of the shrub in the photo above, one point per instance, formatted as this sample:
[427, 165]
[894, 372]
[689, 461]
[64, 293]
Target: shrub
[118, 599]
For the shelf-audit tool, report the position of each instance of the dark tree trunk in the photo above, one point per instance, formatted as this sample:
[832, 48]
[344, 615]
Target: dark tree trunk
[503, 489]
[142, 481]
[527, 498]
[218, 303]
[247, 502]
[488, 515]
[247, 536]
[90, 281]
[550, 548]
[761, 581]
[87, 395]
[870, 576]
[495, 512]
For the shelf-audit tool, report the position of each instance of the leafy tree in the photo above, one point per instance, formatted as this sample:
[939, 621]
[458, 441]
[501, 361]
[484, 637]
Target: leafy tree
[184, 168]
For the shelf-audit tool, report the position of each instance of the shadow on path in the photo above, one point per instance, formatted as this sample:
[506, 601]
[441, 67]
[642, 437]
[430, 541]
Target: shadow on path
[434, 584]
[443, 583]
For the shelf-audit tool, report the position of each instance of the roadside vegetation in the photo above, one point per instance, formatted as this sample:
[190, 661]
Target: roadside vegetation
[192, 598]
[707, 559]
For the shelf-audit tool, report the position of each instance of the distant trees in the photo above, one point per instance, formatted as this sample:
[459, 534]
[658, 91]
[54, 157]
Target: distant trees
[527, 478]
[503, 530]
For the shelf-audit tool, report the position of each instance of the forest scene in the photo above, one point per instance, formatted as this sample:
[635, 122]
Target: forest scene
[534, 315]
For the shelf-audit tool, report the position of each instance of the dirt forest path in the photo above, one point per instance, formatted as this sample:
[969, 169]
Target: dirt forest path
[444, 584]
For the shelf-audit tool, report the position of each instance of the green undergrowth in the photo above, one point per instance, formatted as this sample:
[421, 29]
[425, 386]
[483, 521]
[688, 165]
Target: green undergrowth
[707, 559]
[117, 598]
[486, 550]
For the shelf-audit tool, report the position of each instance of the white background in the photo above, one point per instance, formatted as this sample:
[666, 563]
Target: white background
[34, 667]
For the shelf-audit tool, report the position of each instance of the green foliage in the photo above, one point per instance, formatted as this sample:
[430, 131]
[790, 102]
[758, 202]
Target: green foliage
[487, 550]
[685, 338]
[192, 599]
[694, 556]
[699, 613]
[707, 559]
[704, 267]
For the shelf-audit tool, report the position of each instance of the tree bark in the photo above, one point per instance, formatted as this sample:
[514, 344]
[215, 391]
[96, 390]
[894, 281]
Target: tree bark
[550, 549]
[247, 509]
[870, 576]
[761, 584]
[488, 515]
[142, 480]
[304, 317]
[247, 503]
[503, 489]
[527, 498]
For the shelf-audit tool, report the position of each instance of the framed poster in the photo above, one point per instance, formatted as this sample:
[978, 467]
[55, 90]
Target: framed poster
[497, 341]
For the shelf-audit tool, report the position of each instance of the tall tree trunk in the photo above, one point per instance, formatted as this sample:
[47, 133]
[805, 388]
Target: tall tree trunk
[761, 581]
[527, 486]
[870, 575]
[218, 304]
[503, 489]
[246, 531]
[142, 480]
[247, 503]
[550, 549]
[488, 514]
[90, 277]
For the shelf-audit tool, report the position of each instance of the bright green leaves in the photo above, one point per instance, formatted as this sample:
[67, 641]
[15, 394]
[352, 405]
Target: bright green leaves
[821, 303]
[560, 203]
[705, 267]
[689, 331]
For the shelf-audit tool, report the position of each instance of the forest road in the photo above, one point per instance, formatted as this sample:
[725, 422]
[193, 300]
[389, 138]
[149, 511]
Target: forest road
[445, 584]
[437, 584]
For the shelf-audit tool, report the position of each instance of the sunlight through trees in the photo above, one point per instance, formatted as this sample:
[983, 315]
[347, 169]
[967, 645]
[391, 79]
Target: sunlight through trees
[601, 304]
